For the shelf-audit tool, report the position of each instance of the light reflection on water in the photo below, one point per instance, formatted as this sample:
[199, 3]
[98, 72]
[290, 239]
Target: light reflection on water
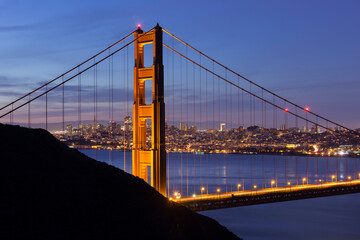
[188, 172]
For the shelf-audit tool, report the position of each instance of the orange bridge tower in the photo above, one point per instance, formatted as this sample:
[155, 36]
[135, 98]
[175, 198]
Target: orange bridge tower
[153, 159]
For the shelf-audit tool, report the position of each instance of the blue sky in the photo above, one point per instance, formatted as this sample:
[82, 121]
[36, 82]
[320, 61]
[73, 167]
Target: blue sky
[307, 51]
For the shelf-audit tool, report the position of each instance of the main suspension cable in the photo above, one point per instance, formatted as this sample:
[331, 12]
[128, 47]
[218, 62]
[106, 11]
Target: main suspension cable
[256, 96]
[60, 84]
[248, 80]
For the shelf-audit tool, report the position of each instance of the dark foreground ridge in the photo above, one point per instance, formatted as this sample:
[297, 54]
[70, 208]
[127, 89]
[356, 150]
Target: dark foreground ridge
[49, 191]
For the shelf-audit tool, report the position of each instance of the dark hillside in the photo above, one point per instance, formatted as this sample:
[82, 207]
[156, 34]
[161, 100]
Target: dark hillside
[49, 191]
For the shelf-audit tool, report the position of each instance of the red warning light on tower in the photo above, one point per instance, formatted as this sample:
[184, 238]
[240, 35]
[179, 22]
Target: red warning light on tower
[307, 109]
[286, 109]
[139, 25]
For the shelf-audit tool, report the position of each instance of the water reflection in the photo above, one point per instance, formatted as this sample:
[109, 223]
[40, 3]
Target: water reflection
[188, 173]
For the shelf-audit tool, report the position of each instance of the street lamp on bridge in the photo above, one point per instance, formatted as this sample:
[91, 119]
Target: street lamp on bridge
[238, 186]
[303, 180]
[202, 189]
[272, 183]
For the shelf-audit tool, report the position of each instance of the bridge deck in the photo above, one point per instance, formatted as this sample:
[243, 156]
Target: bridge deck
[269, 195]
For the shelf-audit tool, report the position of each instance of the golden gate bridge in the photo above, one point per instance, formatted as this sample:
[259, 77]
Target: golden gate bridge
[175, 84]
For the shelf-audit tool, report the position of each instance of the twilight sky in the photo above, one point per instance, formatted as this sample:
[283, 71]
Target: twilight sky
[304, 50]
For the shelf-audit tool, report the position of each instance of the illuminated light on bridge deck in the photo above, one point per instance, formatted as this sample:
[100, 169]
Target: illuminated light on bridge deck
[260, 196]
[303, 180]
[272, 183]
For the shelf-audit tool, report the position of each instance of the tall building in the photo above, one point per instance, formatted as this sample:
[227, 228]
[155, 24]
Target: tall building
[283, 127]
[222, 127]
[182, 126]
[303, 129]
[69, 129]
[127, 123]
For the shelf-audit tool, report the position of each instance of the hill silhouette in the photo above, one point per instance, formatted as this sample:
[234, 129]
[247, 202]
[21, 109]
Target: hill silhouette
[50, 191]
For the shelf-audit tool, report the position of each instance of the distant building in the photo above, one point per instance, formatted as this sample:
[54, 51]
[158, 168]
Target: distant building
[222, 127]
[69, 129]
[182, 126]
[303, 129]
[315, 129]
[193, 128]
[88, 128]
[283, 127]
[82, 129]
[128, 123]
[111, 127]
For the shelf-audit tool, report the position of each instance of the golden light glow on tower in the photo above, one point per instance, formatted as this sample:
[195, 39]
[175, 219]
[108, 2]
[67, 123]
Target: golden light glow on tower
[155, 157]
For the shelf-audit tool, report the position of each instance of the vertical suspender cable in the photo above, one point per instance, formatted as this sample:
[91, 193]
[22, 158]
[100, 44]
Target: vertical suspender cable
[219, 113]
[187, 124]
[29, 113]
[94, 127]
[79, 101]
[207, 130]
[167, 119]
[194, 191]
[213, 125]
[230, 131]
[238, 121]
[124, 106]
[181, 130]
[173, 105]
[63, 105]
[200, 113]
[46, 109]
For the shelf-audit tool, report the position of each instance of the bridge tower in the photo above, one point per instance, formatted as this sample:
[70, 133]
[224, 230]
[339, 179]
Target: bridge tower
[155, 158]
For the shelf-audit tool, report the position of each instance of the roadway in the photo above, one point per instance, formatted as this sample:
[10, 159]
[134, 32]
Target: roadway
[268, 195]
